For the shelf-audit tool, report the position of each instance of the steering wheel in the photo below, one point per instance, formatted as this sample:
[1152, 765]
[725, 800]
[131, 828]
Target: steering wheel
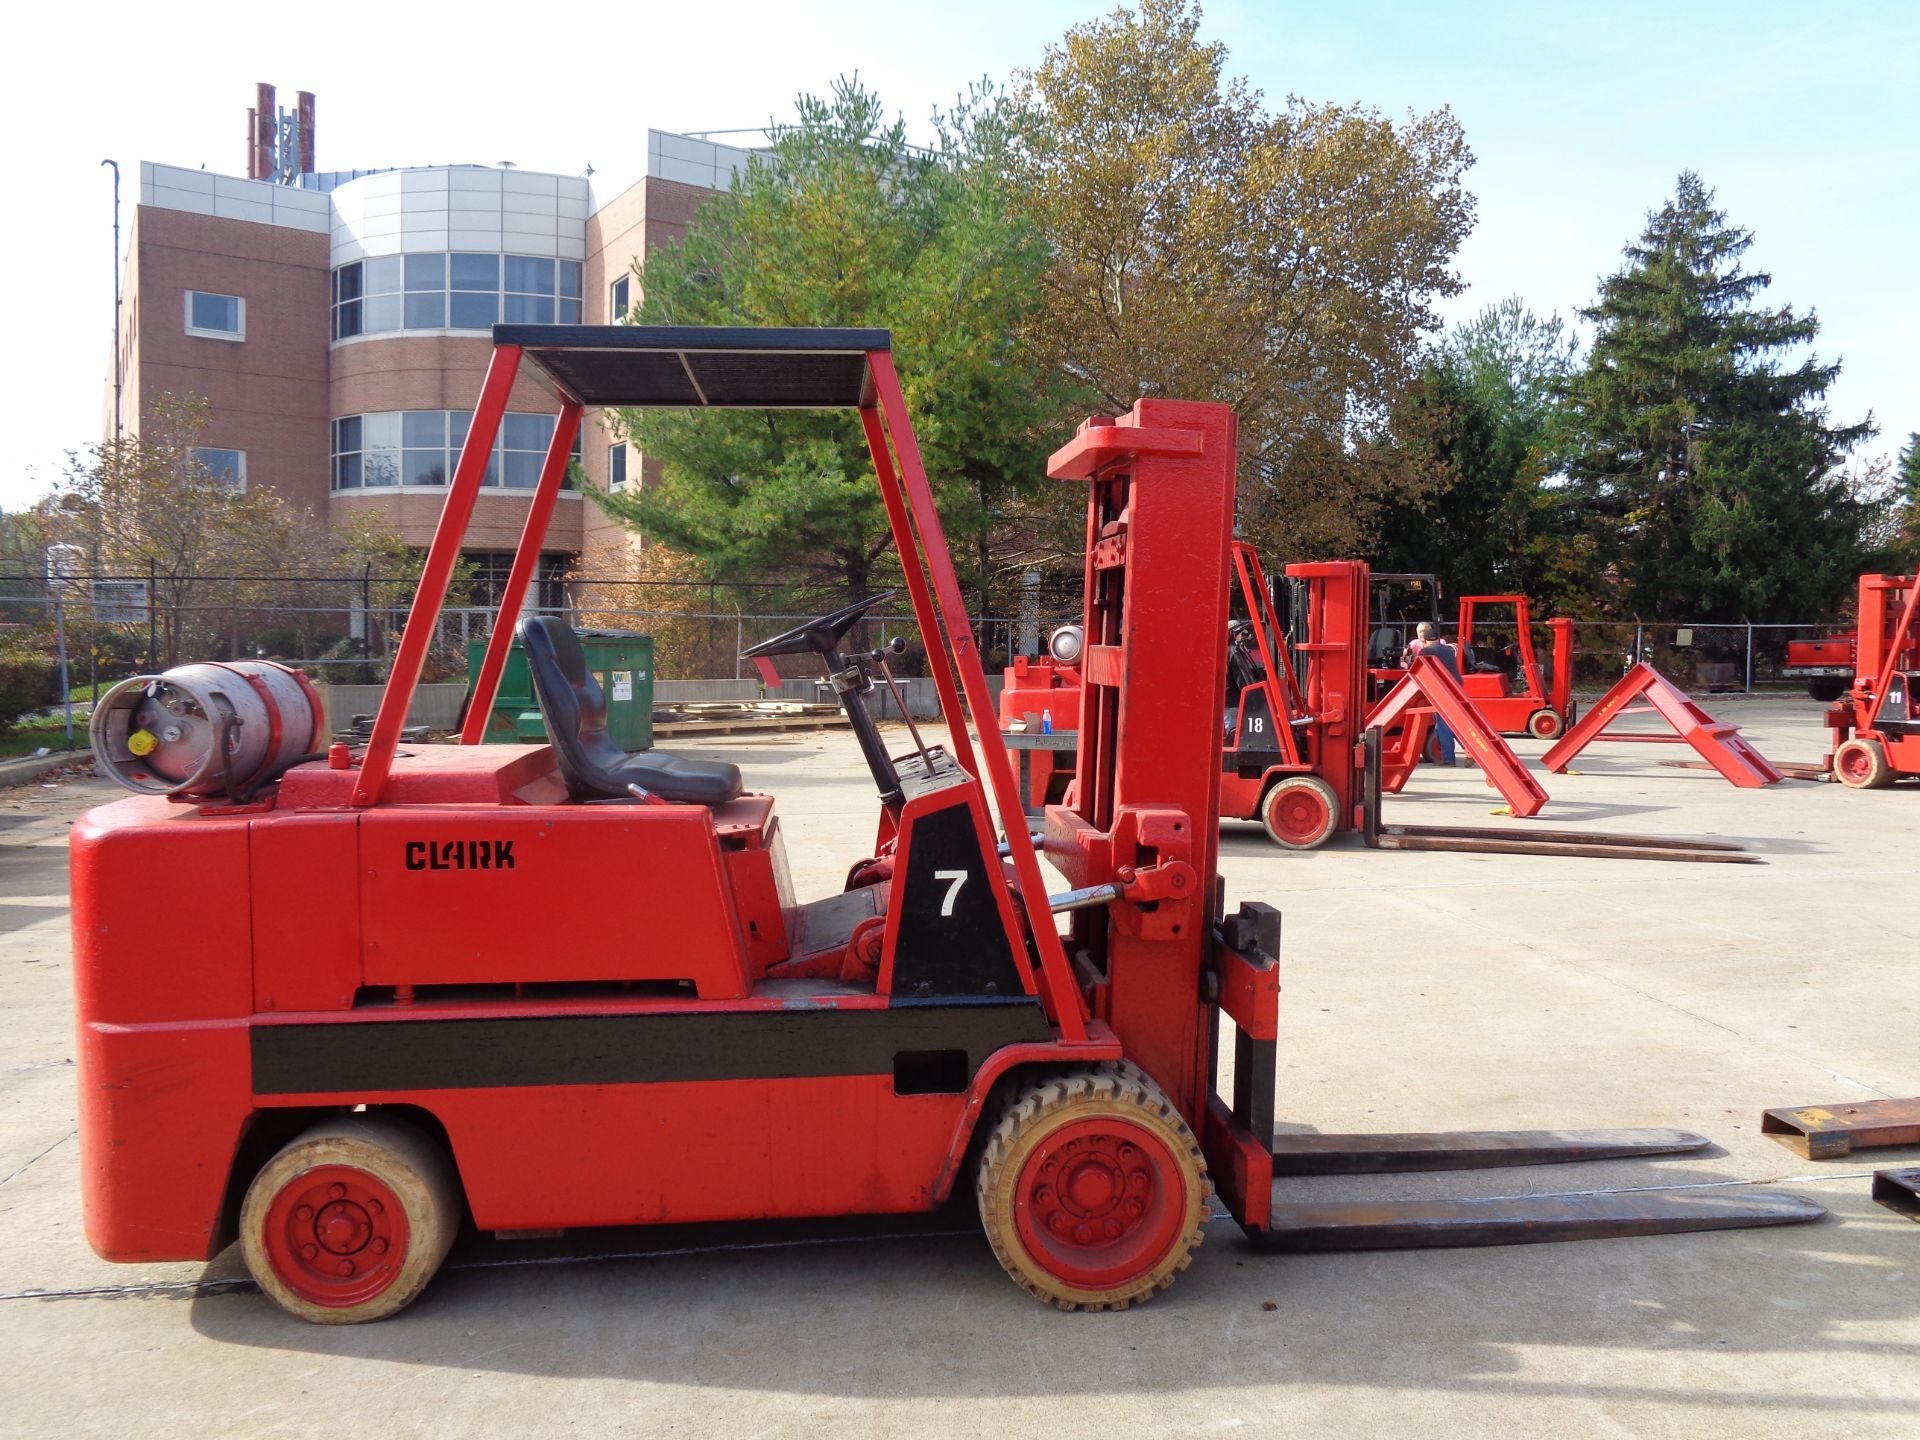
[818, 637]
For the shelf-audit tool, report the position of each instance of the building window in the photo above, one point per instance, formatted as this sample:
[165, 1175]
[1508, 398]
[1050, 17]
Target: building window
[227, 466]
[418, 449]
[459, 291]
[617, 467]
[218, 317]
[618, 300]
[490, 569]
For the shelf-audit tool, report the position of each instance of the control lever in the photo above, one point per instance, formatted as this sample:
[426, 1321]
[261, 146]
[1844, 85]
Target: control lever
[644, 796]
[898, 646]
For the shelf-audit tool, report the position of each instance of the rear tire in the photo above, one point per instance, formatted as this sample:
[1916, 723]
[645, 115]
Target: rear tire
[1092, 1189]
[350, 1220]
[1300, 812]
[1861, 764]
[1545, 725]
[1827, 690]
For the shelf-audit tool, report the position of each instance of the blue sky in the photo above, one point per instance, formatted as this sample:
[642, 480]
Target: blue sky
[1805, 120]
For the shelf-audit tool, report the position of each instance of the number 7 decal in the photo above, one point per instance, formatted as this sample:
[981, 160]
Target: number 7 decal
[959, 878]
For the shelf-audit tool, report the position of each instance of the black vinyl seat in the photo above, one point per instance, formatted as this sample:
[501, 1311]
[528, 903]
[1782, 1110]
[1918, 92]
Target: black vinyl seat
[594, 767]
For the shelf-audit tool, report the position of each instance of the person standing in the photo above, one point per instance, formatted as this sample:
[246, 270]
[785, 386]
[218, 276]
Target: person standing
[1442, 650]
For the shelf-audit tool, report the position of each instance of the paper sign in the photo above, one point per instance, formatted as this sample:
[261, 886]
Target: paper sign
[623, 685]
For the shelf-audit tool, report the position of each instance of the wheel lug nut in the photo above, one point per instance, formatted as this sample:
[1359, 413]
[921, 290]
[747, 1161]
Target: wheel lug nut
[373, 1207]
[336, 1190]
[309, 1251]
[1135, 1209]
[1056, 1221]
[345, 1267]
[305, 1212]
[1112, 1227]
[380, 1246]
[1082, 1233]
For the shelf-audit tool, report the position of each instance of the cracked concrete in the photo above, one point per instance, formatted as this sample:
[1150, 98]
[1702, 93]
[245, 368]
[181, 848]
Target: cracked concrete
[1423, 991]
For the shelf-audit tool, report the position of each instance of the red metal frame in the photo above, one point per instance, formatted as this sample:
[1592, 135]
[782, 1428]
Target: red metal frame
[1428, 681]
[1719, 744]
[526, 560]
[442, 555]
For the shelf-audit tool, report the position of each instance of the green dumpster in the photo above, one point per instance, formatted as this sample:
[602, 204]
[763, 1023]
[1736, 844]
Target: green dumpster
[621, 661]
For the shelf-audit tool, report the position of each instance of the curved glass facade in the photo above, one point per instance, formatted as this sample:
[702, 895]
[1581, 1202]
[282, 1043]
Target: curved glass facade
[417, 449]
[453, 290]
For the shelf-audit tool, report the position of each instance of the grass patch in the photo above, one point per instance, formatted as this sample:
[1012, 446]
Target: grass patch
[25, 739]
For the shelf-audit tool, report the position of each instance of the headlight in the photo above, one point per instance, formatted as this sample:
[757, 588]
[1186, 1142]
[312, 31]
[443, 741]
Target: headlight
[1066, 643]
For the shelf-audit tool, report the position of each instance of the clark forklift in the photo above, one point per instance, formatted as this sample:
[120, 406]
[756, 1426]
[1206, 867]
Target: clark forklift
[345, 1003]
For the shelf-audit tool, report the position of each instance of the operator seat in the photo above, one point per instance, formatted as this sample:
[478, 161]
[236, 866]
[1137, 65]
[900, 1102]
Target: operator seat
[594, 767]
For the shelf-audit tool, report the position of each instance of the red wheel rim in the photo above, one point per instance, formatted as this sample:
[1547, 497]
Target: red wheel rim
[1099, 1203]
[1856, 763]
[336, 1236]
[1299, 813]
[1546, 726]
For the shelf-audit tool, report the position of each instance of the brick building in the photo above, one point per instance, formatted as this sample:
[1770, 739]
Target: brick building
[338, 325]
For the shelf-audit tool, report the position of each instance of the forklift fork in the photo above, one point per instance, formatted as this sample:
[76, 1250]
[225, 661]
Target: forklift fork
[1247, 965]
[1584, 844]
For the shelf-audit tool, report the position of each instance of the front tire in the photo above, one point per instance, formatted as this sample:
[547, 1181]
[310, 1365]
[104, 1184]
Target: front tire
[1300, 812]
[1861, 764]
[1545, 725]
[350, 1220]
[1092, 1189]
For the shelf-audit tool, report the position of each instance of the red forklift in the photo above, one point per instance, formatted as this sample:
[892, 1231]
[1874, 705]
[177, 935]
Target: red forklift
[1875, 726]
[368, 1003]
[1503, 674]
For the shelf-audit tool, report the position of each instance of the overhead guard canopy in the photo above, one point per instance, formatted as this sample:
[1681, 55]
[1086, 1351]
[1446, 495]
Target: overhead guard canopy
[675, 366]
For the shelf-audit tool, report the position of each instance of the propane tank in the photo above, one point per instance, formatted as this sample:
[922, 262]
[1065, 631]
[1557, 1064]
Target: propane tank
[205, 729]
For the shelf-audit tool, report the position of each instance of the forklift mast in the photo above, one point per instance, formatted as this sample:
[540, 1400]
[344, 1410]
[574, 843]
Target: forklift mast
[1159, 518]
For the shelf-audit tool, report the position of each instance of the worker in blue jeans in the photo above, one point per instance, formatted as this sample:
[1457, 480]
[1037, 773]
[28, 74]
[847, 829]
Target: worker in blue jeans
[1442, 650]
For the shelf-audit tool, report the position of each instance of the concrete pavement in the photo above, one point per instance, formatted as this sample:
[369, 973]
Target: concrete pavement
[1423, 991]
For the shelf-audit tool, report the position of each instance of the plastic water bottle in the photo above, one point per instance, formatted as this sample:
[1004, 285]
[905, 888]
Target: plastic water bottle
[1046, 722]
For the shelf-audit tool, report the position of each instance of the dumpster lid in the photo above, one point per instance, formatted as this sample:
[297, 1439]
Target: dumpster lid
[687, 366]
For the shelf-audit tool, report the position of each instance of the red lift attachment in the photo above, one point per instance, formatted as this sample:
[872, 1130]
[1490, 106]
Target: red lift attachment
[1720, 745]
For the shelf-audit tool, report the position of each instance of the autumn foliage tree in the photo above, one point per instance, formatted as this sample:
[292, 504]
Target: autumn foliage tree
[1284, 261]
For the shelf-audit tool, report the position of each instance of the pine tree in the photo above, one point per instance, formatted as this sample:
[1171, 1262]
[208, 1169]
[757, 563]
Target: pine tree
[1708, 467]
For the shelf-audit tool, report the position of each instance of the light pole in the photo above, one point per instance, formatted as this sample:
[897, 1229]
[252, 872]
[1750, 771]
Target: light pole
[117, 381]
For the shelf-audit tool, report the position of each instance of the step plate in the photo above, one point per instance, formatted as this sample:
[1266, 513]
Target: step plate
[1388, 1154]
[1899, 1191]
[1828, 1132]
[1525, 1219]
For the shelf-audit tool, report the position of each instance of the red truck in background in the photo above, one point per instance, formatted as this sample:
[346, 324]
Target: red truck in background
[1826, 665]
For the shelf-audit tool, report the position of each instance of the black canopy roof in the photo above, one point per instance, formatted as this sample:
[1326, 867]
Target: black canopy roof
[684, 365]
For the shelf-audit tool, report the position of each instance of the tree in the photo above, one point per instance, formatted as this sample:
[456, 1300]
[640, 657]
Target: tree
[1284, 262]
[1483, 423]
[145, 505]
[845, 223]
[1713, 479]
[1904, 510]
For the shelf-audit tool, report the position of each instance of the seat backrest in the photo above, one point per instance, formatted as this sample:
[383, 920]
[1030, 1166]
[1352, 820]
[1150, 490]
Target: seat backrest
[571, 701]
[590, 760]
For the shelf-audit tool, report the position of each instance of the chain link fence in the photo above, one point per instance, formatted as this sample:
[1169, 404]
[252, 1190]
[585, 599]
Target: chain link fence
[343, 628]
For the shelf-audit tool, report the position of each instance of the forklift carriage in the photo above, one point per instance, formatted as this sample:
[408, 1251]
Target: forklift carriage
[356, 1003]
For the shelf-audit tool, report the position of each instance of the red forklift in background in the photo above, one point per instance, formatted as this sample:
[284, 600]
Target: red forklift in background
[1875, 726]
[1505, 678]
[371, 1003]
